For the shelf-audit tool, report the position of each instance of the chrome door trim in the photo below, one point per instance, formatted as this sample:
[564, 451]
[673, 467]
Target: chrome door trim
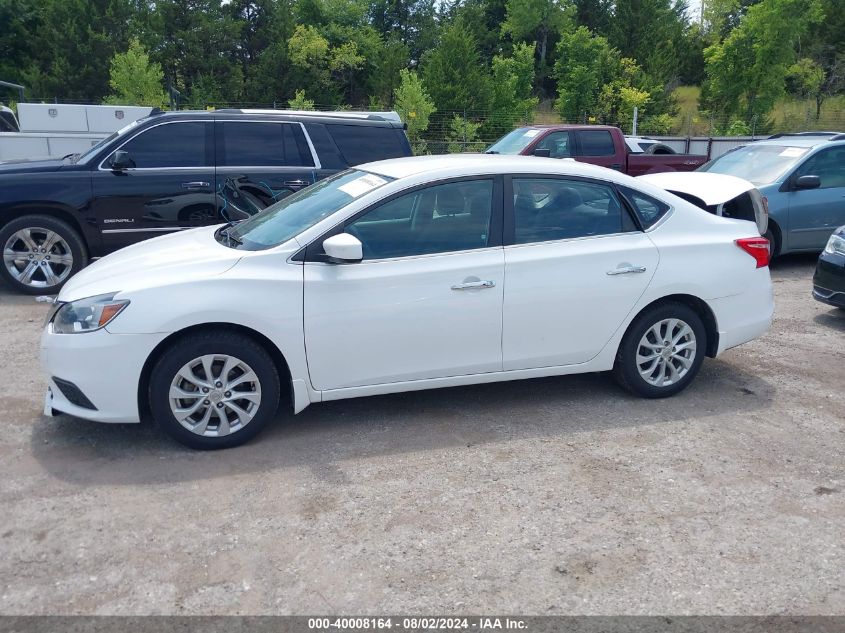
[156, 229]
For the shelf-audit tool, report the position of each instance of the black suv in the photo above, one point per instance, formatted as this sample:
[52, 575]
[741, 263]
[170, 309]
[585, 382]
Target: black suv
[169, 172]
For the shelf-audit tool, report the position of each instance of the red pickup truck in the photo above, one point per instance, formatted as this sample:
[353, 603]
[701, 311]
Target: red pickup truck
[596, 144]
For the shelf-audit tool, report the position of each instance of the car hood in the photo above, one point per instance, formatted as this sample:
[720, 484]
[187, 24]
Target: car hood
[22, 166]
[176, 258]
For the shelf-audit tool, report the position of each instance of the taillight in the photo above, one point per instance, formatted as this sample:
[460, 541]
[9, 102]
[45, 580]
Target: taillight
[757, 247]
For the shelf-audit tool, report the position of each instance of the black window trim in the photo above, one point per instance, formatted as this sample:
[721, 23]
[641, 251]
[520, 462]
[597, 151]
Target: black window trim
[313, 253]
[219, 140]
[209, 147]
[509, 228]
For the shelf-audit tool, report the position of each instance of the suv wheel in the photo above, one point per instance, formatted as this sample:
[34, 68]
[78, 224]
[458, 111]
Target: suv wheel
[661, 352]
[40, 253]
[214, 389]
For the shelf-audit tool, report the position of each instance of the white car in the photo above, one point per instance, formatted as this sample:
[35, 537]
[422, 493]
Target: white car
[402, 275]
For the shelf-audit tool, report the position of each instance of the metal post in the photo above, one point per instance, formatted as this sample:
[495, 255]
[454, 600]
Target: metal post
[634, 126]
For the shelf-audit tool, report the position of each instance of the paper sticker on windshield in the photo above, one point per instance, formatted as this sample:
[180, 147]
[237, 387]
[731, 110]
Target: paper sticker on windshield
[531, 133]
[362, 185]
[793, 152]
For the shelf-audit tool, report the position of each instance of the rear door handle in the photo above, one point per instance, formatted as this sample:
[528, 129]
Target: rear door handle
[626, 270]
[197, 184]
[469, 285]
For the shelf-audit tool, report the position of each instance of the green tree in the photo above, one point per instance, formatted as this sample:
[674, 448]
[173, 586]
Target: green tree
[585, 63]
[536, 20]
[414, 106]
[300, 102]
[512, 99]
[746, 72]
[135, 80]
[454, 73]
[463, 136]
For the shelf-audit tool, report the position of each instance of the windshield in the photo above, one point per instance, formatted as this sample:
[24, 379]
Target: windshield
[290, 217]
[759, 164]
[514, 142]
[90, 152]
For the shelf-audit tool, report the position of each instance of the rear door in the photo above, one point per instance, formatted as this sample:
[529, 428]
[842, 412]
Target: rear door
[575, 265]
[168, 187]
[815, 213]
[259, 163]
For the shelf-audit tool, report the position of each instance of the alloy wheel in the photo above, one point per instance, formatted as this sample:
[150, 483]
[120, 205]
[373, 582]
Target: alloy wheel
[666, 352]
[37, 257]
[215, 395]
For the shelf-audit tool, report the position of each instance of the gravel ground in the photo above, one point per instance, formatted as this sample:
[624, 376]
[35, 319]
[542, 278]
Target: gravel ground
[560, 495]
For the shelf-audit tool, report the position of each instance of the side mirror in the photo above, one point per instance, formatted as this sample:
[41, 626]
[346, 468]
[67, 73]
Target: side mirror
[343, 248]
[120, 160]
[808, 182]
[543, 152]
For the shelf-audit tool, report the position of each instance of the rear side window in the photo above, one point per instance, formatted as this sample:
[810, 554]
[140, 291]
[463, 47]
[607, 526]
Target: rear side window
[180, 144]
[263, 144]
[366, 143]
[596, 143]
[649, 209]
[548, 209]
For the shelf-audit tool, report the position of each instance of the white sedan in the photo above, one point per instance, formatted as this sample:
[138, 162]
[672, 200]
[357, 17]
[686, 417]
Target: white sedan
[402, 275]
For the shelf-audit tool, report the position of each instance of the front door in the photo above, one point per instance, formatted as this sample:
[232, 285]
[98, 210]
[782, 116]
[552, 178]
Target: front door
[169, 185]
[576, 267]
[259, 163]
[815, 213]
[425, 302]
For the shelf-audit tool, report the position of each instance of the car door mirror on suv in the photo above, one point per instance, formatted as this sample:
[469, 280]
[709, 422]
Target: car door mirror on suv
[808, 182]
[343, 248]
[120, 160]
[543, 152]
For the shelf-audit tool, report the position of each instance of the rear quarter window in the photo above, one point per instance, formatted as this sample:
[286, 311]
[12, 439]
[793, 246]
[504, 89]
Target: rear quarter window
[366, 143]
[648, 209]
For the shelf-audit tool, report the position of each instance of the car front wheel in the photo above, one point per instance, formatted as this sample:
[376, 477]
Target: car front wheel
[662, 351]
[214, 389]
[40, 253]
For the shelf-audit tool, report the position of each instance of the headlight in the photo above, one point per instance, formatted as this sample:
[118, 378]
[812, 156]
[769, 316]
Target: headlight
[87, 315]
[836, 244]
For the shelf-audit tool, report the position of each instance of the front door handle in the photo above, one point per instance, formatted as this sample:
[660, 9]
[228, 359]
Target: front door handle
[616, 166]
[197, 184]
[469, 285]
[626, 270]
[296, 183]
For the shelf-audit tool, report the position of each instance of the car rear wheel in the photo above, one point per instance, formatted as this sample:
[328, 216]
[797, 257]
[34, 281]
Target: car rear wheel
[662, 351]
[214, 389]
[774, 242]
[40, 253]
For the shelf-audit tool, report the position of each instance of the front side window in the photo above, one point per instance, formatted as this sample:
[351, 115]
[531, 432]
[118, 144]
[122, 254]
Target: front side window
[266, 144]
[443, 218]
[596, 143]
[556, 209]
[828, 165]
[558, 145]
[179, 144]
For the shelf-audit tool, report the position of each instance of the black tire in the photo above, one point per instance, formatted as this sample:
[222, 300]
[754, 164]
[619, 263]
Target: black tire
[774, 241]
[38, 225]
[220, 342]
[626, 370]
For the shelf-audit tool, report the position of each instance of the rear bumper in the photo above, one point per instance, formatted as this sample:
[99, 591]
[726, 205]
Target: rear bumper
[746, 316]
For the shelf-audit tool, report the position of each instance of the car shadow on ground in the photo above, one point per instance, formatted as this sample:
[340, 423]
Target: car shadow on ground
[324, 435]
[835, 319]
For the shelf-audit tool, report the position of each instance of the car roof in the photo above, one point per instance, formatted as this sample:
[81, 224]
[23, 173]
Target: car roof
[797, 141]
[383, 119]
[458, 165]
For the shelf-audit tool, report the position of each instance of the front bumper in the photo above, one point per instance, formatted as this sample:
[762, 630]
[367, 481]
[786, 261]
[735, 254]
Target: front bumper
[829, 280]
[105, 367]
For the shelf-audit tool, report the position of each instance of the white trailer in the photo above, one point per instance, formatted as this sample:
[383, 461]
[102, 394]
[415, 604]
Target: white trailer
[56, 130]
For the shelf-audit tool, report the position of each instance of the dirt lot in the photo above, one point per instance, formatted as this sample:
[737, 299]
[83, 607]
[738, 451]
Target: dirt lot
[548, 496]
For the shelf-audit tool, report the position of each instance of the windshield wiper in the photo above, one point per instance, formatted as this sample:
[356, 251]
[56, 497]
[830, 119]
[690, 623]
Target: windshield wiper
[491, 151]
[225, 232]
